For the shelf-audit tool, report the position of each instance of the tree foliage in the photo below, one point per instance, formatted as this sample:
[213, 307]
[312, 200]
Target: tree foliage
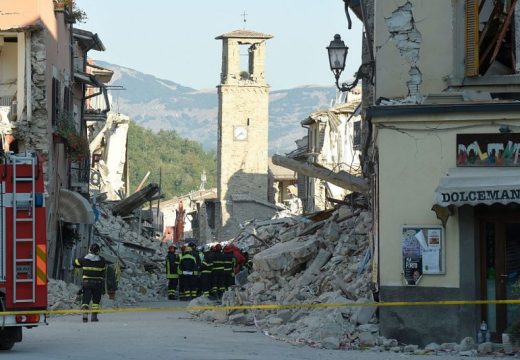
[175, 162]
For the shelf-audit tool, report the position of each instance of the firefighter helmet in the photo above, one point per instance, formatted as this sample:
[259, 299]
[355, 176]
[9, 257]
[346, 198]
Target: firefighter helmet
[94, 249]
[172, 248]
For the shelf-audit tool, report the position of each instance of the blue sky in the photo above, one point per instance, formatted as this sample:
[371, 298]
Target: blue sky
[175, 39]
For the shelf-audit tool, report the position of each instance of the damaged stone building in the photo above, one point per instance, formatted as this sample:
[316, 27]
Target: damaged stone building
[108, 144]
[281, 183]
[43, 85]
[333, 141]
[186, 216]
[442, 153]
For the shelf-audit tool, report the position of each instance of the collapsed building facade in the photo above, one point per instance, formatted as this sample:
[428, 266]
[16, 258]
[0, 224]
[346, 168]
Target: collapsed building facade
[108, 143]
[333, 141]
[187, 217]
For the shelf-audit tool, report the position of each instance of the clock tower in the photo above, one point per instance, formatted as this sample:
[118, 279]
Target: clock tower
[243, 123]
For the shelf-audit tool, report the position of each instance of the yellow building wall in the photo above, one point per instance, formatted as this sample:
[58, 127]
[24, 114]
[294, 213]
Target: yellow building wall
[411, 163]
[434, 22]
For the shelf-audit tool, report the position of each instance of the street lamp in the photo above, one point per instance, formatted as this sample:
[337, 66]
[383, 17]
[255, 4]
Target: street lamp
[337, 57]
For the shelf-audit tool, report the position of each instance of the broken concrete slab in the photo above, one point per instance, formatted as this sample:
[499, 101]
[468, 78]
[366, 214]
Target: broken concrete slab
[468, 343]
[241, 319]
[363, 315]
[367, 339]
[485, 348]
[315, 267]
[331, 342]
[286, 257]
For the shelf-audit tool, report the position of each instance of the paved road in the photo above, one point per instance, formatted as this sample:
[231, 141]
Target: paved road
[166, 335]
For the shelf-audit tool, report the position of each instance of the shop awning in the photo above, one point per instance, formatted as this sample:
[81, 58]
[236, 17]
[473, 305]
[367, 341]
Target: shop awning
[482, 185]
[74, 208]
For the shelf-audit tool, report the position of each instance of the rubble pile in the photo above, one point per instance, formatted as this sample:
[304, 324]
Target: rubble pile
[141, 253]
[62, 295]
[258, 235]
[140, 258]
[311, 263]
[297, 261]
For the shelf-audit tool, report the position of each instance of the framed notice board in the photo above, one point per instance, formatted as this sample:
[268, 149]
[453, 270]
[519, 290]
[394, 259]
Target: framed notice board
[422, 252]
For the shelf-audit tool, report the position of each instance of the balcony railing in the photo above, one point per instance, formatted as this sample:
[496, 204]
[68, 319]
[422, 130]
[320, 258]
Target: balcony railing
[79, 175]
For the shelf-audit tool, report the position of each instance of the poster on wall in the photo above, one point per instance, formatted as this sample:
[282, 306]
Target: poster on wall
[421, 252]
[432, 254]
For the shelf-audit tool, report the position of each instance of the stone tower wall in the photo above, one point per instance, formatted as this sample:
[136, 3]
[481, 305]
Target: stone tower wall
[242, 164]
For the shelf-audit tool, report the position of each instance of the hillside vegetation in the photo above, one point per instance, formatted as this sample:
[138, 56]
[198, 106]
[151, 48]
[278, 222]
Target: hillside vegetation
[175, 162]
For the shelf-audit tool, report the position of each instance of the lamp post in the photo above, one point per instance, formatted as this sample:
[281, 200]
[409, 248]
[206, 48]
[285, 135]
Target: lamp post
[337, 57]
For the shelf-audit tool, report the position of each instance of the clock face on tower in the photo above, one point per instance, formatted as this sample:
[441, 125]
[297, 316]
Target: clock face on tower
[240, 133]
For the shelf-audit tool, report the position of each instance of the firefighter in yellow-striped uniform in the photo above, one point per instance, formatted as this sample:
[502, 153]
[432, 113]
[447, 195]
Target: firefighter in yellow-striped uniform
[205, 273]
[172, 271]
[229, 261]
[94, 269]
[218, 285]
[188, 270]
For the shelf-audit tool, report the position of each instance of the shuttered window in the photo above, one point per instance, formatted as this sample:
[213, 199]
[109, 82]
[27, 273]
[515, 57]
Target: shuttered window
[471, 49]
[489, 34]
[66, 99]
[356, 140]
[56, 87]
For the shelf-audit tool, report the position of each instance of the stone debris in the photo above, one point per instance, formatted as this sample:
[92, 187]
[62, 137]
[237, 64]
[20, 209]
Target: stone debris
[300, 261]
[61, 296]
[139, 253]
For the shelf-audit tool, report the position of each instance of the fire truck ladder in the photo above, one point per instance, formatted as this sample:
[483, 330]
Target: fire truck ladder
[24, 216]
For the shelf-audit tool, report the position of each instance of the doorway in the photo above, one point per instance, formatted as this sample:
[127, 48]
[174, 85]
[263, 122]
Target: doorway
[500, 266]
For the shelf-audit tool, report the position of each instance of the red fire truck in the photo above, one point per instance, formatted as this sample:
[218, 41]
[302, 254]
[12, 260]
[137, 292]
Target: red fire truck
[23, 251]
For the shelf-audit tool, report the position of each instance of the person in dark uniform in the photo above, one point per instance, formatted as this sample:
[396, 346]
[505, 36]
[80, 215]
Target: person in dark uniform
[205, 273]
[93, 280]
[188, 269]
[217, 273]
[172, 272]
[229, 261]
[249, 262]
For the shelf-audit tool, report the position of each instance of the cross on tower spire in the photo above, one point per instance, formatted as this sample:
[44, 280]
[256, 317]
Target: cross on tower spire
[244, 16]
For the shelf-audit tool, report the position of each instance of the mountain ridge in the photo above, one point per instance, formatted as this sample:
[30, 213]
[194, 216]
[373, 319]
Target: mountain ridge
[157, 103]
